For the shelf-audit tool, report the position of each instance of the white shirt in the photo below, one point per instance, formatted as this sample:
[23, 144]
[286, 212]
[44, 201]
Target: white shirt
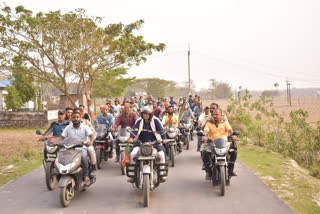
[81, 133]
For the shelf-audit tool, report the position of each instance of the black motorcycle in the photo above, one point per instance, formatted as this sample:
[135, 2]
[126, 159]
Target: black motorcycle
[171, 146]
[220, 151]
[102, 144]
[49, 157]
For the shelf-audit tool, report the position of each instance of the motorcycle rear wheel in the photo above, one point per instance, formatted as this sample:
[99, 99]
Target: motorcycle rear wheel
[67, 193]
[51, 178]
[146, 190]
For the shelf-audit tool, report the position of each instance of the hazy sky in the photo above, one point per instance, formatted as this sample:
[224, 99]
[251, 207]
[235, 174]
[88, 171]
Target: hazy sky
[249, 43]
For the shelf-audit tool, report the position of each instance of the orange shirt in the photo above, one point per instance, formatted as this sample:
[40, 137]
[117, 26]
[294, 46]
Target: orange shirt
[214, 132]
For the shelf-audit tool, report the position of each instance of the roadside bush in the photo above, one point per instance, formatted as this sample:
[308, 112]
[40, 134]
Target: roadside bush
[259, 122]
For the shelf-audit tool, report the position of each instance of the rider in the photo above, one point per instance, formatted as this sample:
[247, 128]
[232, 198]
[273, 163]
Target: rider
[171, 119]
[147, 129]
[69, 112]
[107, 119]
[80, 132]
[127, 118]
[185, 112]
[84, 115]
[55, 128]
[217, 129]
[203, 118]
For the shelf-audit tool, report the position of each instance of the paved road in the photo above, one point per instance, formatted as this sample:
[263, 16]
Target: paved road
[186, 191]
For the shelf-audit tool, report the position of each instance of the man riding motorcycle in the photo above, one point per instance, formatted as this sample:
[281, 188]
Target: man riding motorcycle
[80, 132]
[108, 119]
[215, 129]
[203, 118]
[171, 119]
[127, 118]
[147, 129]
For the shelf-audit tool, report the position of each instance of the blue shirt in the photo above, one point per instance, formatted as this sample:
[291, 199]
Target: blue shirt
[56, 128]
[109, 120]
[172, 102]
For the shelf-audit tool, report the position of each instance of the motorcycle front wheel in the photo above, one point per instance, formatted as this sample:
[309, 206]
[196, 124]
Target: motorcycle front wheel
[121, 158]
[222, 180]
[67, 193]
[146, 190]
[187, 142]
[172, 155]
[51, 177]
[99, 157]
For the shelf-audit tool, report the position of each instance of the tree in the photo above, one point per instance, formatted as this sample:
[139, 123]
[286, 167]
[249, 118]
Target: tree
[22, 89]
[13, 99]
[68, 49]
[111, 83]
[219, 90]
[154, 86]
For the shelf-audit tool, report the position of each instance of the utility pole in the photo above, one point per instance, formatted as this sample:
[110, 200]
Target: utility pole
[189, 69]
[288, 92]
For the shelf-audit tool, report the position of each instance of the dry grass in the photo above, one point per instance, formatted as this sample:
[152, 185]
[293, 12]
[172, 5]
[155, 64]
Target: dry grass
[312, 105]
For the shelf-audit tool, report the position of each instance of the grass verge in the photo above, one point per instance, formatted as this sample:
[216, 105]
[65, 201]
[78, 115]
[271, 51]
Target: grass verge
[293, 184]
[20, 153]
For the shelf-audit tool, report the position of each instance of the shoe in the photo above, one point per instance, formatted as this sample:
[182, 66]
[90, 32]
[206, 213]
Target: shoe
[110, 155]
[208, 176]
[87, 180]
[130, 180]
[203, 167]
[163, 179]
[232, 173]
[117, 158]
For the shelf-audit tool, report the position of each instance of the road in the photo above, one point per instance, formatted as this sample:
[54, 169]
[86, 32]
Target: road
[186, 191]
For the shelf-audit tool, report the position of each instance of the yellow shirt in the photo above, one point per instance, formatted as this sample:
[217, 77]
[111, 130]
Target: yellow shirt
[222, 131]
[174, 122]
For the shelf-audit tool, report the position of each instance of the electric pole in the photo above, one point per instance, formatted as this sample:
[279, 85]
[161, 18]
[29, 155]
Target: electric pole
[288, 92]
[189, 69]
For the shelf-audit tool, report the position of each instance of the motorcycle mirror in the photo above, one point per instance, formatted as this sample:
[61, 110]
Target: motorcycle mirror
[128, 129]
[236, 132]
[38, 132]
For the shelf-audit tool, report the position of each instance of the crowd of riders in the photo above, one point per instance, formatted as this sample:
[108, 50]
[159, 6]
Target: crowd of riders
[148, 119]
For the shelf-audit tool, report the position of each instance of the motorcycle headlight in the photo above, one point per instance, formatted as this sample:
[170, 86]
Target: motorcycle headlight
[221, 151]
[171, 129]
[65, 169]
[123, 139]
[187, 125]
[146, 150]
[51, 149]
[172, 135]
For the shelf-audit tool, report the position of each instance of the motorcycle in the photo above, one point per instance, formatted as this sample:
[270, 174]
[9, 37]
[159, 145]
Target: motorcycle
[102, 144]
[123, 137]
[50, 155]
[147, 171]
[171, 146]
[219, 151]
[185, 131]
[69, 169]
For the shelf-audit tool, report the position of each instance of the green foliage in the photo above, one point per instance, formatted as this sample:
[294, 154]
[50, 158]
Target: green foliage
[22, 89]
[155, 86]
[70, 48]
[258, 121]
[112, 83]
[219, 90]
[12, 99]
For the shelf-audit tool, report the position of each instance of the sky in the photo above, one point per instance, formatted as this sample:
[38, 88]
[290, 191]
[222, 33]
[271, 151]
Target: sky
[248, 43]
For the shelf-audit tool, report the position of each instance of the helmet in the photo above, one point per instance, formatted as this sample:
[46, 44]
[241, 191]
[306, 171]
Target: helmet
[147, 110]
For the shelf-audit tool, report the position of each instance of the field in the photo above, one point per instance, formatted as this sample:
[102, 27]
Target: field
[312, 105]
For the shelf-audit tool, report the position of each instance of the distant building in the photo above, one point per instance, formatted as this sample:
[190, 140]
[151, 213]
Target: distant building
[28, 106]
